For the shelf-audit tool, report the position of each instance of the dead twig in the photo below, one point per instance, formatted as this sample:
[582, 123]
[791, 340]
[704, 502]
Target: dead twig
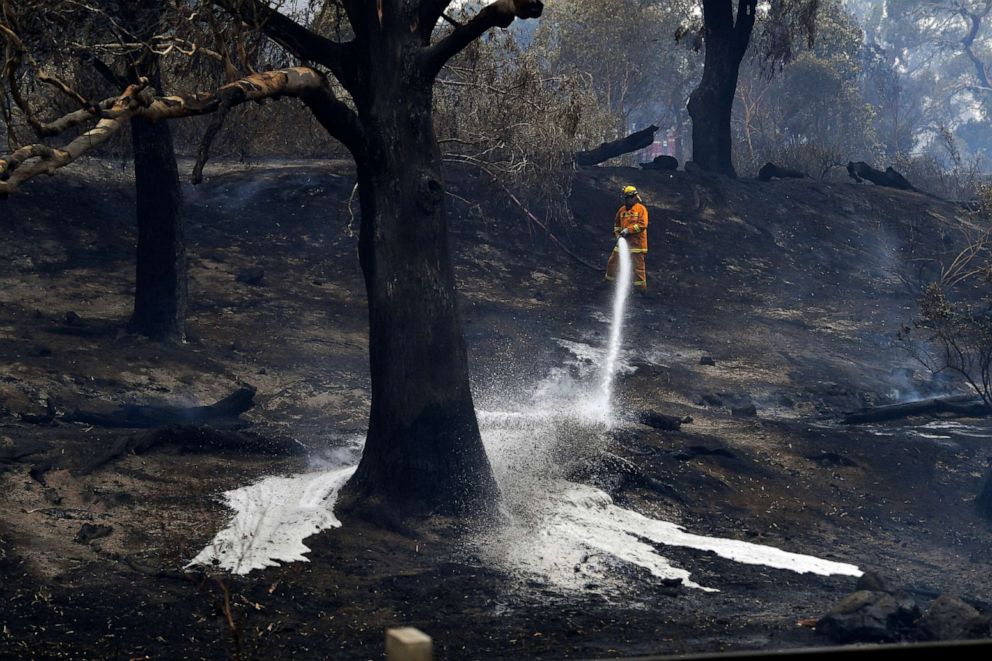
[527, 212]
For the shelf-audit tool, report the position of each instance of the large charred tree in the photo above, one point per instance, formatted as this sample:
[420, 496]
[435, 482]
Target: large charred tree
[725, 38]
[423, 450]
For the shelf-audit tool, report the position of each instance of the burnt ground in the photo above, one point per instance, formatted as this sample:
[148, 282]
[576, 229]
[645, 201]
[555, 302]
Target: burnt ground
[794, 289]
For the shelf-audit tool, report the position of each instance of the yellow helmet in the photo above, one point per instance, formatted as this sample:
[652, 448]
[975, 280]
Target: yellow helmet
[629, 190]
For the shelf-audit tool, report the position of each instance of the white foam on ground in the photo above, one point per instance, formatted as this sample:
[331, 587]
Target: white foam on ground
[584, 537]
[272, 518]
[573, 535]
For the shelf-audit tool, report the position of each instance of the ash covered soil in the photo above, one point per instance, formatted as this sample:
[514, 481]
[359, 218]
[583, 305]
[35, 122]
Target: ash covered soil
[794, 289]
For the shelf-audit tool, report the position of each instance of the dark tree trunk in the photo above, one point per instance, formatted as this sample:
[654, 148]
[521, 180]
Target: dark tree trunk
[711, 103]
[160, 269]
[423, 449]
[160, 278]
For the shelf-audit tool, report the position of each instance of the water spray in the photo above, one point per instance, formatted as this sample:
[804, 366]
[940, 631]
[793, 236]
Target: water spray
[624, 274]
[571, 534]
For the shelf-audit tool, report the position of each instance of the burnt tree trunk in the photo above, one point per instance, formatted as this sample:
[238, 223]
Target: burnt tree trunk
[711, 103]
[423, 448]
[423, 451]
[160, 265]
[160, 270]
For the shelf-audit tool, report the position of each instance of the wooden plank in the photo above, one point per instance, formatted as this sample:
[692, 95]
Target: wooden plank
[408, 644]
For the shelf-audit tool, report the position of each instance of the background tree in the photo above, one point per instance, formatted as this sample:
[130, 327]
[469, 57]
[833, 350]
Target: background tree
[726, 36]
[811, 115]
[640, 76]
[102, 49]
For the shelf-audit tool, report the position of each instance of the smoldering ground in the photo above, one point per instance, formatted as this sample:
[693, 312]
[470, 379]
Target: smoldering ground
[770, 291]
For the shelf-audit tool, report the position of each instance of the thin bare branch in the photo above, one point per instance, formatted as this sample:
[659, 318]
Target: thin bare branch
[500, 13]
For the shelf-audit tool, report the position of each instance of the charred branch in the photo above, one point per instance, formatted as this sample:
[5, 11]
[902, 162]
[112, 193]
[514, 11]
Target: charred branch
[975, 25]
[771, 171]
[431, 12]
[963, 406]
[608, 150]
[663, 421]
[187, 439]
[114, 78]
[203, 151]
[337, 118]
[746, 10]
[220, 414]
[663, 162]
[861, 171]
[496, 14]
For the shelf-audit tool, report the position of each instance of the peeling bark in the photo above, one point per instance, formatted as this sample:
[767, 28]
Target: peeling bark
[139, 100]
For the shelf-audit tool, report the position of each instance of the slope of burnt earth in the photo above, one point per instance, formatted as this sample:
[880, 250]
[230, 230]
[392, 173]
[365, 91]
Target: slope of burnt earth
[795, 289]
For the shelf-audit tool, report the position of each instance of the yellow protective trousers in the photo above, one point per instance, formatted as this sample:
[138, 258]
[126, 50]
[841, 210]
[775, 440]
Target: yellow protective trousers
[637, 262]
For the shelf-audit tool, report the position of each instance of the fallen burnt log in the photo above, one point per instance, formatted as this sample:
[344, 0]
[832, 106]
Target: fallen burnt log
[223, 413]
[960, 405]
[861, 171]
[663, 162]
[20, 450]
[771, 171]
[607, 150]
[194, 439]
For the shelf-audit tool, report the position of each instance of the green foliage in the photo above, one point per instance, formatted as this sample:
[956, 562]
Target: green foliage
[942, 50]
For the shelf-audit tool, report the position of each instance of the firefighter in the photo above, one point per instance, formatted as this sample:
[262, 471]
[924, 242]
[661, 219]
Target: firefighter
[631, 222]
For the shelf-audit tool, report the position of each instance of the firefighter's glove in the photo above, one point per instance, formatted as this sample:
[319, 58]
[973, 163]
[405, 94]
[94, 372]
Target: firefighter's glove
[624, 233]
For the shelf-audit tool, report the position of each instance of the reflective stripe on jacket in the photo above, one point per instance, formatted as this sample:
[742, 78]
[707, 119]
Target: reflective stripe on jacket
[635, 220]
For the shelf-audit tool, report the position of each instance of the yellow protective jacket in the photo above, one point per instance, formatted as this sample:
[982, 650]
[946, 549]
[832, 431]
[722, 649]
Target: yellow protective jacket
[635, 220]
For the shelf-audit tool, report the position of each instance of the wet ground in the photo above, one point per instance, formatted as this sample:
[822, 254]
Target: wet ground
[794, 289]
